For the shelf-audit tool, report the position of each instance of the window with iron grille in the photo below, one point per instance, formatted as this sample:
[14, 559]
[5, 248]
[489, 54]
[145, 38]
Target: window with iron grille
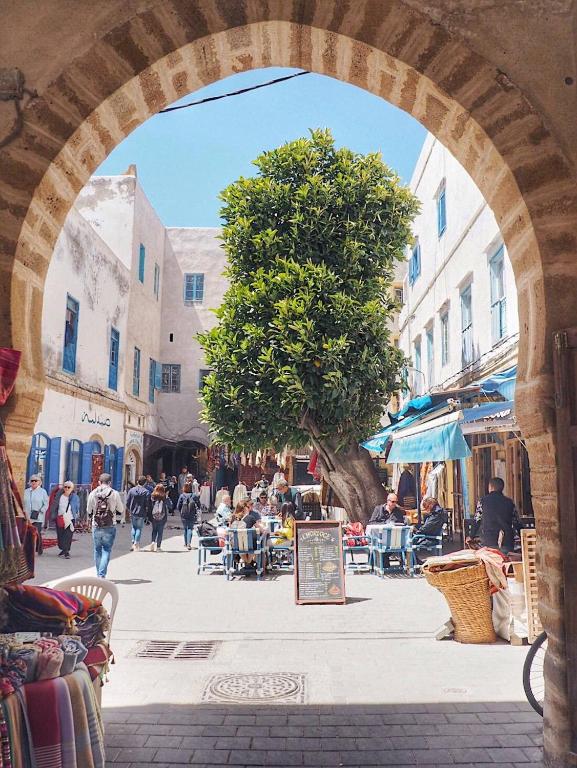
[193, 288]
[170, 377]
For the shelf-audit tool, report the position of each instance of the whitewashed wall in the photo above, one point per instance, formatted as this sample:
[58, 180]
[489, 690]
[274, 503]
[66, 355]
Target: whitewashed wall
[461, 255]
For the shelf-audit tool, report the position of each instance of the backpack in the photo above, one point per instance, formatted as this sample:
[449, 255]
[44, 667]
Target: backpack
[102, 514]
[188, 511]
[158, 510]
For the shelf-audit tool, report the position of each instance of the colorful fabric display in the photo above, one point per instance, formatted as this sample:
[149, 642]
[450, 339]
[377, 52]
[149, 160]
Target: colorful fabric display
[49, 663]
[74, 652]
[88, 727]
[28, 654]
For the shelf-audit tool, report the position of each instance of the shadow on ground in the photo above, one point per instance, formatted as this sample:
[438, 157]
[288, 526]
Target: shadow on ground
[461, 734]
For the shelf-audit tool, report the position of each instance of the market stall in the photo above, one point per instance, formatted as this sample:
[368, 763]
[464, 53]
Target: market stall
[53, 644]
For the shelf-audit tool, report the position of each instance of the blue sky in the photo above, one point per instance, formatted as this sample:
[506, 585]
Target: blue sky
[186, 158]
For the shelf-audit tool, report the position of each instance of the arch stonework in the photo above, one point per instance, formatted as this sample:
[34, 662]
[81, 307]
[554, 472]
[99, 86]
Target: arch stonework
[138, 66]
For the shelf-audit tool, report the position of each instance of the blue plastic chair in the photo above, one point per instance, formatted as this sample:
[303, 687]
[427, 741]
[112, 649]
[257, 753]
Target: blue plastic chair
[243, 541]
[395, 541]
[204, 553]
[357, 548]
[433, 544]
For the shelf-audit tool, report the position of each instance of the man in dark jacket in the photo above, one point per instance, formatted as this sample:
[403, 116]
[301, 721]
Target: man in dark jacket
[434, 519]
[285, 494]
[388, 513]
[496, 519]
[138, 503]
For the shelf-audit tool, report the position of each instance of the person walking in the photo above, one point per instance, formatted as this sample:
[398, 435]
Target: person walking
[65, 509]
[138, 504]
[188, 507]
[35, 507]
[103, 504]
[161, 506]
[182, 479]
[173, 493]
[496, 519]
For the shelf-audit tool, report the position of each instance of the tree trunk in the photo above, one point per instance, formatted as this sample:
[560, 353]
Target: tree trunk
[352, 475]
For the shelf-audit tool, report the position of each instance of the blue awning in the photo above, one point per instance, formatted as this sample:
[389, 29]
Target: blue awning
[488, 411]
[441, 443]
[503, 383]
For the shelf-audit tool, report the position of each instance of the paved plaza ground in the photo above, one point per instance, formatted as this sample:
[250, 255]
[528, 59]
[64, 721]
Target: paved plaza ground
[362, 684]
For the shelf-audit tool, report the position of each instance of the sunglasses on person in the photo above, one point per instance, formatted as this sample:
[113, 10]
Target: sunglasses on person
[35, 481]
[69, 486]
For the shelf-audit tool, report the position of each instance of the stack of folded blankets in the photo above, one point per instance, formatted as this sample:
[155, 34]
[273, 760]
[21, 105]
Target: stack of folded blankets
[41, 609]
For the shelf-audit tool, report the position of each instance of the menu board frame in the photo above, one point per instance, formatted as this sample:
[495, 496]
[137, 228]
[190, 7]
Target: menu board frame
[301, 525]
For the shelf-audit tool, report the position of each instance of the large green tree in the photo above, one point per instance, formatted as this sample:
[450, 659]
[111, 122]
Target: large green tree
[301, 353]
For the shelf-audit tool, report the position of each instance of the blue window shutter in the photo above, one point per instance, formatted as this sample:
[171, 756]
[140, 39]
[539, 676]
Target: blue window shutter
[107, 459]
[158, 376]
[86, 463]
[53, 463]
[141, 261]
[119, 469]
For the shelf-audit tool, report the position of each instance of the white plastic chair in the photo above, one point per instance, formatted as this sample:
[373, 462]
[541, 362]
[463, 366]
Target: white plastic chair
[94, 587]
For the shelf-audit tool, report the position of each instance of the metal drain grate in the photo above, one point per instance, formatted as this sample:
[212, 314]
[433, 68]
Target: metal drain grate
[198, 650]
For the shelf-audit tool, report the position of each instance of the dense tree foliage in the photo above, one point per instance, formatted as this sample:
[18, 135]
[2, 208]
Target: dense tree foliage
[301, 352]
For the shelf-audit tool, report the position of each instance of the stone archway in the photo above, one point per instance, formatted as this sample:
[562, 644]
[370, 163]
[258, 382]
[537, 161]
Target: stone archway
[137, 63]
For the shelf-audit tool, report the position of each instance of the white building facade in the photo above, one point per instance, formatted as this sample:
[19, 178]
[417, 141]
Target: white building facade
[459, 319]
[125, 300]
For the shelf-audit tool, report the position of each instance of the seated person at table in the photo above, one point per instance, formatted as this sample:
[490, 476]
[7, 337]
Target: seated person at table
[286, 531]
[262, 505]
[434, 519]
[389, 513]
[242, 519]
[224, 511]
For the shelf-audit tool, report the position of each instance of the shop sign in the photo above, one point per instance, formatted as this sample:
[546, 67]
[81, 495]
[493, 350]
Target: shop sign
[133, 440]
[95, 418]
[319, 571]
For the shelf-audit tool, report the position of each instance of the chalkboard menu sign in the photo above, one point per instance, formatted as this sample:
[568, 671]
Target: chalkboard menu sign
[319, 572]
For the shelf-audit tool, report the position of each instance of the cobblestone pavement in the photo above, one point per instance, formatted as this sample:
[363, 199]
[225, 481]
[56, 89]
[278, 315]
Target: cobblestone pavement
[506, 733]
[361, 684]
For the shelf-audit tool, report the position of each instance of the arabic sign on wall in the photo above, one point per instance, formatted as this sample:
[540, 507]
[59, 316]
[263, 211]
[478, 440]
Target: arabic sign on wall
[133, 440]
[95, 418]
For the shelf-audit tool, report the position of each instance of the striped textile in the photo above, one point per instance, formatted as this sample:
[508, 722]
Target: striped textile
[20, 754]
[94, 716]
[84, 757]
[42, 705]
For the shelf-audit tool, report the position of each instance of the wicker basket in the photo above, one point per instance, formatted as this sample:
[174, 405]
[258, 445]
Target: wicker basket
[467, 592]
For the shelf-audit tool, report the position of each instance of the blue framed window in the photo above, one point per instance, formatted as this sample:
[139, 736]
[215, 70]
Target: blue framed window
[466, 326]
[417, 378]
[193, 288]
[445, 338]
[113, 359]
[430, 357]
[498, 298]
[74, 461]
[151, 379]
[136, 373]
[415, 263]
[156, 280]
[141, 262]
[110, 463]
[441, 210]
[70, 335]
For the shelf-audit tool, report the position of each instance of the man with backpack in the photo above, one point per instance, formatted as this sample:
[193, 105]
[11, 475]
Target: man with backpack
[139, 505]
[103, 504]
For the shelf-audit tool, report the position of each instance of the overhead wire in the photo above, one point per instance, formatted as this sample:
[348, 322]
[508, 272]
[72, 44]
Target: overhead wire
[234, 93]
